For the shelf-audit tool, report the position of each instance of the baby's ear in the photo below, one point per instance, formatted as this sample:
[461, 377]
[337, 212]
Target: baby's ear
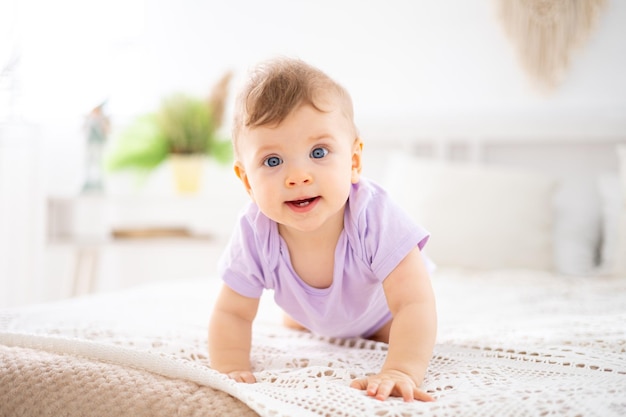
[241, 174]
[357, 150]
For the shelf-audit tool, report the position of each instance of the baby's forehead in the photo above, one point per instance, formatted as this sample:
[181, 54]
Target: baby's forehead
[326, 102]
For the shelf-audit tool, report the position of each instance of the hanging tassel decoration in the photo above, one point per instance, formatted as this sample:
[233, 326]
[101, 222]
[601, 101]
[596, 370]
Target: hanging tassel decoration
[546, 32]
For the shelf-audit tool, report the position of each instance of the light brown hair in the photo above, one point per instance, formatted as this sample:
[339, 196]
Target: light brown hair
[277, 87]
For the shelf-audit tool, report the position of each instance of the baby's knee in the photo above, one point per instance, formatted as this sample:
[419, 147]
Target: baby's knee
[382, 334]
[291, 323]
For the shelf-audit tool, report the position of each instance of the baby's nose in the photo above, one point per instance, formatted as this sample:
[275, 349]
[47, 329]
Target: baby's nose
[298, 176]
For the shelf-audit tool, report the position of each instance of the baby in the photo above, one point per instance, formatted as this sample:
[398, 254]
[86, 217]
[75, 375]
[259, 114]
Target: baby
[342, 259]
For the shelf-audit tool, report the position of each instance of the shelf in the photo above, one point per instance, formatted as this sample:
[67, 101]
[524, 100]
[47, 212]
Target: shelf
[94, 219]
[86, 241]
[96, 229]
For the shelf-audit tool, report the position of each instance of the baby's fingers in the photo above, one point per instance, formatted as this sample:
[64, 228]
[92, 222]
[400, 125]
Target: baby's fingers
[359, 384]
[381, 389]
[242, 376]
[374, 387]
[406, 390]
[422, 396]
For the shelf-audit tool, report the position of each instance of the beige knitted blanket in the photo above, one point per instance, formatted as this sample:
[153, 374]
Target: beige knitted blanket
[511, 343]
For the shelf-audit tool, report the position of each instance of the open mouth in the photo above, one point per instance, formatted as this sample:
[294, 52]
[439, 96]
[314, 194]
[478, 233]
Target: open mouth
[302, 203]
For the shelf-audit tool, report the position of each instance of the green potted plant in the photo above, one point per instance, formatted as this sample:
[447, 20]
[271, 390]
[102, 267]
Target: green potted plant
[184, 130]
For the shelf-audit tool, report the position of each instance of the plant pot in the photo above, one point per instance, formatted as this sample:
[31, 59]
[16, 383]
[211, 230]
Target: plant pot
[187, 170]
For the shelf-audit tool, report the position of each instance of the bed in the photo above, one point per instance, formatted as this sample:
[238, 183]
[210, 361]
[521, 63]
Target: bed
[531, 321]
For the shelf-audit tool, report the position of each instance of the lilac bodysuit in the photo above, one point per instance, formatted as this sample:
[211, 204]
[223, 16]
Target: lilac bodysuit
[377, 235]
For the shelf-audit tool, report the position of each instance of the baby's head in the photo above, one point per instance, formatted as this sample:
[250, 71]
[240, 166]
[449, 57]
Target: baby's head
[297, 151]
[279, 86]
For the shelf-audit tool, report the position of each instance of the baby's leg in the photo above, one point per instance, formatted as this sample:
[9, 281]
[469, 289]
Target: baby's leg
[291, 323]
[382, 334]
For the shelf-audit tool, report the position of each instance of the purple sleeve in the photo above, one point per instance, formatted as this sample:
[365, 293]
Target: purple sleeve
[240, 266]
[390, 234]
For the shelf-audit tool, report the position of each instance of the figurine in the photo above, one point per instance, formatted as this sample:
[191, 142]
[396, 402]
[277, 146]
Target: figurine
[97, 127]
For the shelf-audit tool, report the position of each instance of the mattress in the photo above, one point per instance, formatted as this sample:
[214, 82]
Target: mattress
[510, 343]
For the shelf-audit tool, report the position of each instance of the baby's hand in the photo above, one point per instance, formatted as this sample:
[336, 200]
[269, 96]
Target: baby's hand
[394, 383]
[242, 376]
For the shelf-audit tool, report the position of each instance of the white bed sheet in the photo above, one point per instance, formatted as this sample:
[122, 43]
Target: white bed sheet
[510, 343]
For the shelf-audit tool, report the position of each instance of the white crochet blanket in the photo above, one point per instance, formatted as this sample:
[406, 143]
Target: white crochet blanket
[510, 343]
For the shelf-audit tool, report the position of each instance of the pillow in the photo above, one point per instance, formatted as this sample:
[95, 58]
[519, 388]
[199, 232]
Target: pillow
[478, 216]
[578, 231]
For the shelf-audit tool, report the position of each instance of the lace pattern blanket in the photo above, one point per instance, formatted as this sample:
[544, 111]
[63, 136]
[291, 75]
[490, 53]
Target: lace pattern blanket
[510, 343]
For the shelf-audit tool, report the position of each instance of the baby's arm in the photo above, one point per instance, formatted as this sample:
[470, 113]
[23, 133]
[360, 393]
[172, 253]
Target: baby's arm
[230, 334]
[412, 335]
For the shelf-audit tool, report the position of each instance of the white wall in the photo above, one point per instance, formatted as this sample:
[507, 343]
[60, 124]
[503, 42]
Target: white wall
[402, 60]
[21, 215]
[414, 67]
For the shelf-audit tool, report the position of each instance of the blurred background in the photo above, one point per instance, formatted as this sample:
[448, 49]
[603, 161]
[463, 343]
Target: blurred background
[415, 69]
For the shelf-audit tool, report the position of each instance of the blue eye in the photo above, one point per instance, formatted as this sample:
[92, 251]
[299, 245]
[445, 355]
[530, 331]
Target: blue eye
[273, 161]
[318, 153]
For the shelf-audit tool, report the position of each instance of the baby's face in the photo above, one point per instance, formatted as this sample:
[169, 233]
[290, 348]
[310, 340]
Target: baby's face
[300, 172]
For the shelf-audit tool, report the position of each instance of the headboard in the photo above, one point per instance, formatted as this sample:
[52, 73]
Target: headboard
[549, 202]
[555, 154]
